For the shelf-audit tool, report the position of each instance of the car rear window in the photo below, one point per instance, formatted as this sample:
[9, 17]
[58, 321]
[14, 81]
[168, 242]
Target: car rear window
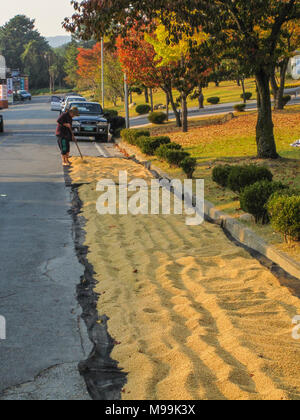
[55, 99]
[88, 108]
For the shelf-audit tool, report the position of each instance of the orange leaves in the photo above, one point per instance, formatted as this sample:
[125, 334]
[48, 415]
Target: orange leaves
[89, 62]
[138, 60]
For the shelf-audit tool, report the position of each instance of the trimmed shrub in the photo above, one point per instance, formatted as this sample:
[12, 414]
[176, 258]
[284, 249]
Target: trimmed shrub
[247, 96]
[214, 100]
[241, 177]
[175, 157]
[284, 210]
[189, 165]
[117, 123]
[255, 197]
[164, 148]
[157, 117]
[240, 107]
[149, 145]
[131, 135]
[286, 99]
[110, 113]
[143, 109]
[220, 174]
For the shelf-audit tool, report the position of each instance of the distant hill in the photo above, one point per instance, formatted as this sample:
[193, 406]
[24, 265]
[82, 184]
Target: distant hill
[58, 41]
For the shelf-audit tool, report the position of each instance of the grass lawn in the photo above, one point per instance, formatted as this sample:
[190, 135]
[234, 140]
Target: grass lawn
[234, 143]
[228, 92]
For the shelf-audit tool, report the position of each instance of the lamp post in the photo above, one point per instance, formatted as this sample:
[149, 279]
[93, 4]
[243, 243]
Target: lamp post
[126, 101]
[102, 73]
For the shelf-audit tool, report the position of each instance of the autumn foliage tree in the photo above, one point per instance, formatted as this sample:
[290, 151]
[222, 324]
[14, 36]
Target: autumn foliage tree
[89, 72]
[250, 29]
[139, 62]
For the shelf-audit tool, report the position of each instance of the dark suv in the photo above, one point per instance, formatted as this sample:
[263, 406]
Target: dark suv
[90, 122]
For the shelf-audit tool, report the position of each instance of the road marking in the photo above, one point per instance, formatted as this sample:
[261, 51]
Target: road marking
[101, 150]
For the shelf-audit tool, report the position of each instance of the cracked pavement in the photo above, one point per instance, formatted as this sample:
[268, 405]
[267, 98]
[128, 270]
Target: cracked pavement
[39, 270]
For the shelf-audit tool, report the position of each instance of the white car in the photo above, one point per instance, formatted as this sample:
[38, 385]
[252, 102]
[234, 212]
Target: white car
[65, 104]
[55, 103]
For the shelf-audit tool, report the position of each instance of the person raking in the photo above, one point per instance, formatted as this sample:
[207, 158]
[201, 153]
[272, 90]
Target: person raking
[64, 134]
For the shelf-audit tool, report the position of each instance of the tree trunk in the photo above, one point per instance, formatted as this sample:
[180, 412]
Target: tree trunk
[201, 98]
[266, 147]
[174, 107]
[244, 90]
[131, 97]
[185, 127]
[151, 100]
[279, 102]
[146, 95]
[167, 105]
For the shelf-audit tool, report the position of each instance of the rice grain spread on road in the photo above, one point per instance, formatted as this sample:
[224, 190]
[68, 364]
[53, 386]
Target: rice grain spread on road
[193, 315]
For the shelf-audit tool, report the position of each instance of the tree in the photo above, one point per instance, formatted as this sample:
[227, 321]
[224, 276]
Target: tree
[290, 41]
[113, 77]
[139, 62]
[250, 29]
[89, 67]
[189, 60]
[24, 49]
[71, 64]
[34, 64]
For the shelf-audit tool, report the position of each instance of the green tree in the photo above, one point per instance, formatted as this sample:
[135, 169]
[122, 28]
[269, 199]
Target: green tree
[71, 64]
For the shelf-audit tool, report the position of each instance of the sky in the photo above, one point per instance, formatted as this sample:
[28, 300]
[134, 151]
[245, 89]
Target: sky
[47, 14]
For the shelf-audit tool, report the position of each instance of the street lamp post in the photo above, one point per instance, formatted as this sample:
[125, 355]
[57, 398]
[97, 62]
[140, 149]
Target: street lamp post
[102, 73]
[126, 101]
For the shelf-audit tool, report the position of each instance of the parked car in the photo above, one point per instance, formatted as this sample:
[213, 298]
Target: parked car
[90, 122]
[56, 103]
[24, 95]
[71, 99]
[1, 124]
[68, 95]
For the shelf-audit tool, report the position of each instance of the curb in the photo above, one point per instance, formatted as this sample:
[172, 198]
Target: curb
[240, 233]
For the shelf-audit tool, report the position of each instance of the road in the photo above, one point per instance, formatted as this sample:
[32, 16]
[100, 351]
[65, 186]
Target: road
[39, 270]
[207, 111]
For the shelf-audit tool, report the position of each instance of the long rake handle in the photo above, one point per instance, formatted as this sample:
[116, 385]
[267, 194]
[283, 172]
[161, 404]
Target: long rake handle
[75, 141]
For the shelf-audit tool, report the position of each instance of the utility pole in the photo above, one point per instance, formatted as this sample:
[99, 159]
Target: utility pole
[126, 101]
[102, 73]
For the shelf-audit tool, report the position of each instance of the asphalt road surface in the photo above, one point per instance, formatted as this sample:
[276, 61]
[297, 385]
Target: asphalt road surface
[39, 270]
[207, 111]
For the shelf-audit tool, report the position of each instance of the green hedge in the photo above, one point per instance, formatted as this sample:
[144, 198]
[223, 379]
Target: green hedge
[284, 210]
[240, 107]
[214, 100]
[241, 177]
[110, 113]
[143, 109]
[220, 174]
[164, 148]
[131, 135]
[254, 199]
[149, 145]
[188, 165]
[175, 157]
[157, 118]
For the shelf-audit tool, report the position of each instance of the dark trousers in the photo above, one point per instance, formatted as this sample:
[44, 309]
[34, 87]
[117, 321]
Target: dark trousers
[64, 145]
